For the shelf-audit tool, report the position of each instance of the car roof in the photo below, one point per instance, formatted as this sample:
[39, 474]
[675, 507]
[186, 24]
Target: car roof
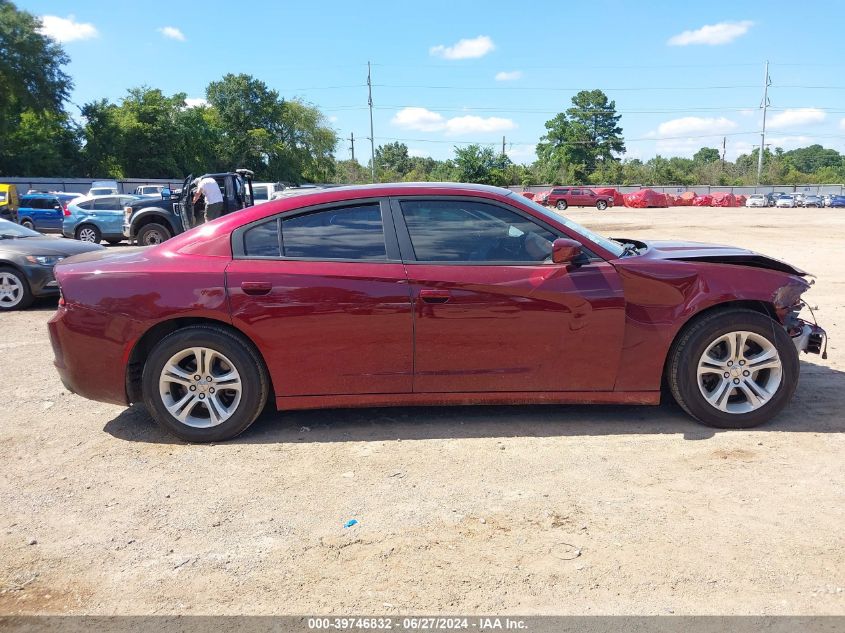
[43, 194]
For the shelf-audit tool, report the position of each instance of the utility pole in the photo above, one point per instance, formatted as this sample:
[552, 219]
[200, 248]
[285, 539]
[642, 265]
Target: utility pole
[352, 144]
[724, 143]
[503, 145]
[767, 81]
[372, 139]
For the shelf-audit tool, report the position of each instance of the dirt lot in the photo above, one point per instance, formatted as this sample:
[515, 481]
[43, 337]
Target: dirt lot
[528, 510]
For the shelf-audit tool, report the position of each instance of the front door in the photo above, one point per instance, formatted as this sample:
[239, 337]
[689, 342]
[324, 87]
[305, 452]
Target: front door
[492, 313]
[51, 215]
[324, 295]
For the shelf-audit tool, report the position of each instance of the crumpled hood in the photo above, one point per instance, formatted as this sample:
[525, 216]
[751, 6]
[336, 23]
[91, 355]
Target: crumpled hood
[717, 254]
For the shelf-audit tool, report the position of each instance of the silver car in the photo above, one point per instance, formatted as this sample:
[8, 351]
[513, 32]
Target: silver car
[812, 200]
[786, 201]
[756, 200]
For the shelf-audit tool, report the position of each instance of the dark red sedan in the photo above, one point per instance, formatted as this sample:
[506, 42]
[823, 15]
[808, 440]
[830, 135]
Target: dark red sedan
[421, 295]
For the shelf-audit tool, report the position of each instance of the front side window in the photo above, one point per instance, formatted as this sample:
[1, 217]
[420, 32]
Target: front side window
[470, 231]
[354, 232]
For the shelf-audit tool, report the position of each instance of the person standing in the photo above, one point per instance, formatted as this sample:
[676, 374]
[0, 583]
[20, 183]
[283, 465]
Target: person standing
[208, 188]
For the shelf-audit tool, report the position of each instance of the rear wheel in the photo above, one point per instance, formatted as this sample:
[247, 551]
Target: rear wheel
[733, 369]
[89, 233]
[152, 234]
[27, 223]
[204, 384]
[561, 205]
[15, 293]
[601, 205]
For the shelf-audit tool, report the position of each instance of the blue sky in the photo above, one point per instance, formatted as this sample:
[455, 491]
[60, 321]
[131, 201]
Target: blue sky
[445, 73]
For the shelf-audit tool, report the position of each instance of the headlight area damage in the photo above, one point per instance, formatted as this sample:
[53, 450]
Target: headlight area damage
[808, 337]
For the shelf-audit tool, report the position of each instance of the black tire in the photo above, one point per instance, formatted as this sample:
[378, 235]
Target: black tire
[88, 233]
[561, 205]
[243, 357]
[688, 348]
[27, 224]
[153, 233]
[601, 205]
[25, 297]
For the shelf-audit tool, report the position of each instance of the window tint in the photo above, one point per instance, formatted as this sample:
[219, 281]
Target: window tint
[576, 192]
[87, 205]
[452, 230]
[561, 192]
[260, 193]
[263, 240]
[345, 233]
[106, 204]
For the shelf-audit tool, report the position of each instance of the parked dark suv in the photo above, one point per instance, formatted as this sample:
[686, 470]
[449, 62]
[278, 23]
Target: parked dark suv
[44, 212]
[149, 221]
[562, 197]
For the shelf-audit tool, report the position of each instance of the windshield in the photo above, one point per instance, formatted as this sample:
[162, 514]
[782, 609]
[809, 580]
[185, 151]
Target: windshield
[10, 230]
[610, 245]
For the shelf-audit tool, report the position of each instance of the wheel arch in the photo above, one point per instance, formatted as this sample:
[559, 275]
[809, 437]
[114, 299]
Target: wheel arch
[82, 224]
[157, 216]
[144, 345]
[766, 308]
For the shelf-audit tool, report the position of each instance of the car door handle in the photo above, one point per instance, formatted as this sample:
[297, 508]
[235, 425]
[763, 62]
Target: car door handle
[434, 296]
[256, 287]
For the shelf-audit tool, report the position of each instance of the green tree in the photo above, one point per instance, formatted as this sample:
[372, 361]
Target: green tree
[706, 155]
[37, 137]
[477, 164]
[393, 158]
[596, 125]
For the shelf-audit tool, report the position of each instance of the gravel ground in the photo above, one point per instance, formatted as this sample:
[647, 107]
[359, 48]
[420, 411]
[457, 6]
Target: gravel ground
[528, 510]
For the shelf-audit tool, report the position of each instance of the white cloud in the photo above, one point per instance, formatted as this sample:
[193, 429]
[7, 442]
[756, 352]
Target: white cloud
[748, 112]
[171, 32]
[789, 142]
[195, 102]
[464, 49]
[792, 117]
[712, 34]
[333, 119]
[842, 124]
[509, 75]
[522, 153]
[419, 119]
[66, 29]
[694, 125]
[425, 120]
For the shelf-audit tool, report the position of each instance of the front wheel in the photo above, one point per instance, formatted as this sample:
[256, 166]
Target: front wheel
[204, 384]
[601, 205]
[27, 224]
[733, 369]
[561, 205]
[15, 293]
[152, 234]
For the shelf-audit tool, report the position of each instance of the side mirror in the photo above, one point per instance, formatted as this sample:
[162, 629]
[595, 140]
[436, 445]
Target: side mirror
[564, 250]
[165, 194]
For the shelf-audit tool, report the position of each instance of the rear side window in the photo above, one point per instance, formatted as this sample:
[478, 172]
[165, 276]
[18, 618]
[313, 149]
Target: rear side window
[343, 233]
[263, 240]
[260, 193]
[87, 205]
[107, 204]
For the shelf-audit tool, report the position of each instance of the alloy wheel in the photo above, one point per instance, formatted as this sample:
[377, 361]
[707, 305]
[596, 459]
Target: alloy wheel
[87, 234]
[739, 372]
[200, 387]
[11, 290]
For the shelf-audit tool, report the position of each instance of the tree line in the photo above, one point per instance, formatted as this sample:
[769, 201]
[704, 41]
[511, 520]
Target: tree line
[244, 123]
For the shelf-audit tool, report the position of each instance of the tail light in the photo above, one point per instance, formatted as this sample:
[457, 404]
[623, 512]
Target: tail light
[65, 210]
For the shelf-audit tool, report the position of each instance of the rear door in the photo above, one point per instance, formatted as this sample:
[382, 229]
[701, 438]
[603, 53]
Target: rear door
[109, 214]
[324, 295]
[492, 313]
[52, 214]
